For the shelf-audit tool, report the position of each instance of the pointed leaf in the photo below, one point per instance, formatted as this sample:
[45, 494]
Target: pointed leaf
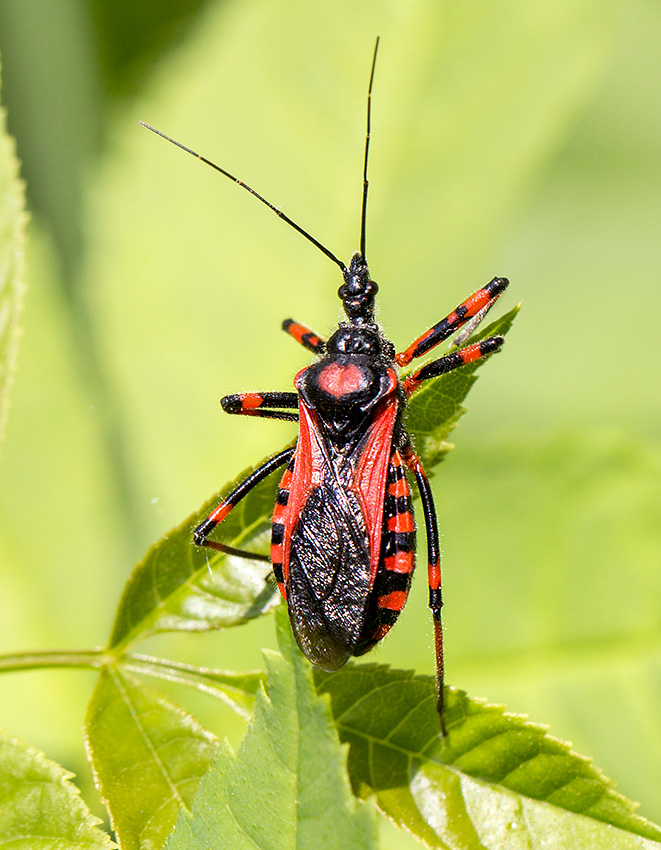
[181, 587]
[497, 780]
[39, 807]
[436, 407]
[148, 757]
[12, 242]
[287, 786]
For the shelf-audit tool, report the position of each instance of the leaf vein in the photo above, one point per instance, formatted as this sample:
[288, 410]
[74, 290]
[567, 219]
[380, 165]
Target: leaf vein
[143, 732]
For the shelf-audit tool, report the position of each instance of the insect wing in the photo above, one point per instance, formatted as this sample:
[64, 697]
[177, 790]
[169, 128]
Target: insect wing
[331, 538]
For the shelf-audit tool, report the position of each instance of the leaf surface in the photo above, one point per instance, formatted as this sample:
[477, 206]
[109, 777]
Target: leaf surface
[148, 757]
[236, 689]
[181, 587]
[12, 243]
[40, 809]
[497, 781]
[287, 786]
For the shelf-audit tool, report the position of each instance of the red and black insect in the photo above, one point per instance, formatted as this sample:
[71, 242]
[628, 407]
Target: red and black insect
[343, 530]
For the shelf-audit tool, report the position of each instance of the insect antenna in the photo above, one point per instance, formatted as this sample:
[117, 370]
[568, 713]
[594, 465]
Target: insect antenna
[363, 214]
[245, 186]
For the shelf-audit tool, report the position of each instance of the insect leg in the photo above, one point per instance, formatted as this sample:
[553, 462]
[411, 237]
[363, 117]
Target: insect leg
[452, 361]
[307, 338]
[433, 567]
[468, 309]
[204, 529]
[258, 404]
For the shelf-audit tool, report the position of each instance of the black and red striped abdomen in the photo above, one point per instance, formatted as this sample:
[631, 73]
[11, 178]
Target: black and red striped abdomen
[393, 578]
[336, 608]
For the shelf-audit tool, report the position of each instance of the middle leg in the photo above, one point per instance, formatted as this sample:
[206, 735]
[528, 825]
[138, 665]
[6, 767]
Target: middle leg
[453, 360]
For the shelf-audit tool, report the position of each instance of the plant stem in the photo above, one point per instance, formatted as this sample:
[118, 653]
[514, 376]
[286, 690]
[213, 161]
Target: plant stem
[91, 659]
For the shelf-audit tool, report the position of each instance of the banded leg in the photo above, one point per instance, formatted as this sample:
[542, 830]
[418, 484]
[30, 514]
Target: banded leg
[204, 529]
[452, 361]
[433, 568]
[473, 306]
[261, 404]
[307, 338]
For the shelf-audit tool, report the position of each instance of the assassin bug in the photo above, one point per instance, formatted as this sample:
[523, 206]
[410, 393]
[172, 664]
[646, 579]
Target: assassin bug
[343, 530]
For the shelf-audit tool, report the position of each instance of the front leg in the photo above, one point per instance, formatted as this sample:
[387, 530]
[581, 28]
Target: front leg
[474, 307]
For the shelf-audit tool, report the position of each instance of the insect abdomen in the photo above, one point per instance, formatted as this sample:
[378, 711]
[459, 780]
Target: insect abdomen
[328, 576]
[278, 527]
[397, 562]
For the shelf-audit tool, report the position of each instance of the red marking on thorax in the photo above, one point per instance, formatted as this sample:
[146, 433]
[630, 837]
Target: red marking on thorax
[369, 479]
[339, 380]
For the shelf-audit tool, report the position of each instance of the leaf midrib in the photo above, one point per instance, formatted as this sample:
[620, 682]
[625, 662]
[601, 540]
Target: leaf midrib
[423, 756]
[143, 733]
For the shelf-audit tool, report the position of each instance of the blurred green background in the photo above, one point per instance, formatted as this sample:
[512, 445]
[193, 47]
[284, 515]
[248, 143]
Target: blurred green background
[520, 139]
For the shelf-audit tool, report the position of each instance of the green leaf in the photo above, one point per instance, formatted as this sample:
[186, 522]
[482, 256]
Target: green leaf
[287, 786]
[496, 781]
[148, 757]
[236, 689]
[180, 587]
[39, 807]
[436, 407]
[12, 242]
[536, 617]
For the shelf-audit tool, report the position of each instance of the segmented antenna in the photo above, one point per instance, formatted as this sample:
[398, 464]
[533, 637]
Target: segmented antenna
[245, 186]
[363, 214]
